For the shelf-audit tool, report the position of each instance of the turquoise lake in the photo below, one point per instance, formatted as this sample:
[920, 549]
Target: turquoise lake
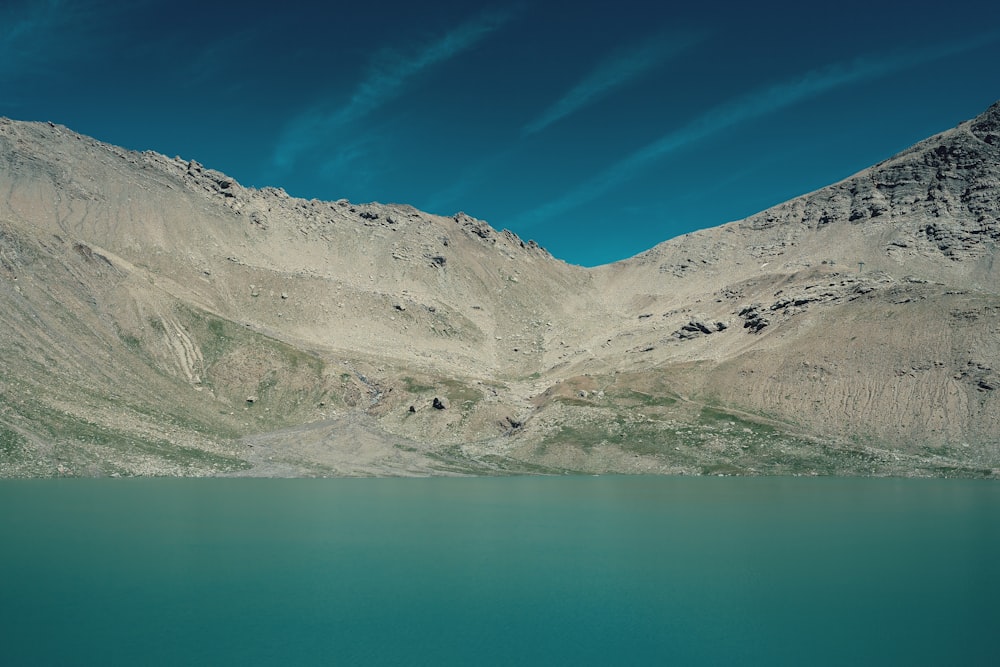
[500, 571]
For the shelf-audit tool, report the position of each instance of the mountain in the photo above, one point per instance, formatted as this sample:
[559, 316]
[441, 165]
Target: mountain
[158, 318]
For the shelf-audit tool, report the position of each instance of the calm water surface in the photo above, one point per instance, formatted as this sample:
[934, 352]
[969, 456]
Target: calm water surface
[585, 570]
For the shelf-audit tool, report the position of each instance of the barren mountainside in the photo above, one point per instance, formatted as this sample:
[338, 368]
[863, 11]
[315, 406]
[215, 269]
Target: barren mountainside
[157, 318]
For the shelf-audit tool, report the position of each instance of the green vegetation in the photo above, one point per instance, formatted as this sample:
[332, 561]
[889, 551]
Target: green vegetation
[569, 400]
[218, 337]
[723, 469]
[12, 443]
[461, 394]
[77, 437]
[584, 436]
[628, 396]
[453, 459]
[504, 465]
[218, 328]
[616, 429]
[266, 384]
[712, 441]
[130, 341]
[237, 362]
[715, 417]
[414, 387]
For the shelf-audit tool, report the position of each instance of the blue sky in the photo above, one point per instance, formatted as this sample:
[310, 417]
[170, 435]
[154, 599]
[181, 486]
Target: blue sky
[598, 129]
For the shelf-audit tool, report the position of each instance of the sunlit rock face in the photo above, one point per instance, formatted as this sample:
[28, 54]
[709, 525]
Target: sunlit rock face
[159, 318]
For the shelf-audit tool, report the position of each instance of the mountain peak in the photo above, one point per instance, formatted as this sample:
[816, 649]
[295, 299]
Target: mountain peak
[156, 317]
[986, 126]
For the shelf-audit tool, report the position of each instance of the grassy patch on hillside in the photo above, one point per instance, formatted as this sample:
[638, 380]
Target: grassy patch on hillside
[77, 437]
[569, 400]
[133, 343]
[285, 382]
[134, 422]
[628, 396]
[714, 417]
[584, 436]
[461, 395]
[187, 419]
[415, 387]
[217, 337]
[608, 428]
[12, 443]
[708, 439]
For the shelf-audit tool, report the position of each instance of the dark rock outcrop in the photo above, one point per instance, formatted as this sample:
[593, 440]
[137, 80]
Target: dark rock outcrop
[696, 328]
[753, 319]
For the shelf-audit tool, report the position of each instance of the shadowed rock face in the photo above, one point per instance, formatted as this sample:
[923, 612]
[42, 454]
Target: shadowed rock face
[159, 318]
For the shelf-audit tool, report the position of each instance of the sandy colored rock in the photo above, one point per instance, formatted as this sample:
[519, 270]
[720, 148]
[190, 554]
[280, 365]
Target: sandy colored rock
[146, 300]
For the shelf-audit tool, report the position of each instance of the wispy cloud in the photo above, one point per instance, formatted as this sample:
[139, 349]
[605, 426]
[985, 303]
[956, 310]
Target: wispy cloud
[385, 82]
[473, 175]
[25, 31]
[356, 162]
[39, 36]
[759, 103]
[616, 71]
[207, 62]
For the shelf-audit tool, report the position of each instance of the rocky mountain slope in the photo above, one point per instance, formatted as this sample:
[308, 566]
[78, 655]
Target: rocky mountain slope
[158, 318]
